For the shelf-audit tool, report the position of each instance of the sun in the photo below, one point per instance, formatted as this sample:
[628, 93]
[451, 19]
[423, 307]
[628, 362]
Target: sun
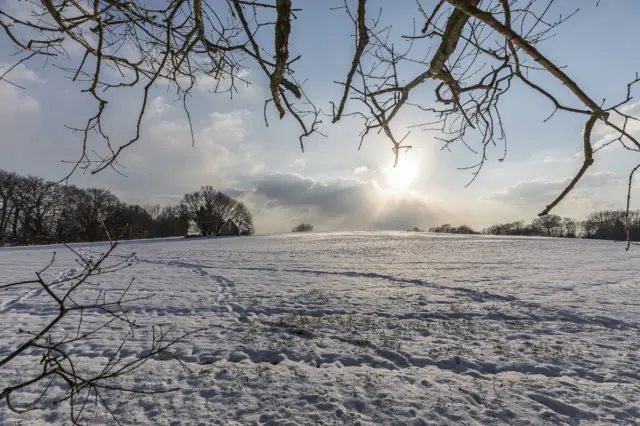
[403, 175]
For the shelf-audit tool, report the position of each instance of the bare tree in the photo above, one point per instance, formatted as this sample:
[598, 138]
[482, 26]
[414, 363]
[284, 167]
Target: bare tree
[303, 227]
[550, 225]
[172, 222]
[448, 229]
[35, 211]
[153, 210]
[209, 208]
[514, 228]
[617, 225]
[244, 219]
[569, 227]
[9, 183]
[55, 372]
[467, 53]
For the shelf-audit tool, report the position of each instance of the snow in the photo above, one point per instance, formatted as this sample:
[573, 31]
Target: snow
[359, 329]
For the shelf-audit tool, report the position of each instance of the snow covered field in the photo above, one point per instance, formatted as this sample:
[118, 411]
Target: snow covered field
[362, 328]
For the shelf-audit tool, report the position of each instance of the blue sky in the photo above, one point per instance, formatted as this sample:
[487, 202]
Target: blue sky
[333, 184]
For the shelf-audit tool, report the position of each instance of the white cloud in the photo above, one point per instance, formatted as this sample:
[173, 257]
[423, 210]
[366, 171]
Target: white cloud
[232, 122]
[605, 136]
[21, 10]
[540, 191]
[208, 83]
[15, 101]
[158, 105]
[20, 120]
[20, 74]
[361, 169]
[164, 165]
[589, 194]
[299, 162]
[34, 12]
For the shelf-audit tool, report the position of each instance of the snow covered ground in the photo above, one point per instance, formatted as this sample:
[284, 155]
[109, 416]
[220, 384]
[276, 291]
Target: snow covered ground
[362, 328]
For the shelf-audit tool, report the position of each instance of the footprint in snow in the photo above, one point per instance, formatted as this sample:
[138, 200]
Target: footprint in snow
[199, 271]
[562, 408]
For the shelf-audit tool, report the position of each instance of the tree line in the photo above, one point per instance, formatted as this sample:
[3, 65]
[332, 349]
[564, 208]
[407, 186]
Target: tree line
[602, 225]
[36, 211]
[448, 229]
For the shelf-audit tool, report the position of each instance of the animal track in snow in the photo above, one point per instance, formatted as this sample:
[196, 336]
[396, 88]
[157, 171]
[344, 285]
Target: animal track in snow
[63, 277]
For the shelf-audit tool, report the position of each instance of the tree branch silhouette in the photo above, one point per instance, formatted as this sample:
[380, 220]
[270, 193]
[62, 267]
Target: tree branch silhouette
[57, 364]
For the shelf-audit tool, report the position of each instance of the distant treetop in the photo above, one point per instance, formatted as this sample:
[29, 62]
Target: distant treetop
[303, 227]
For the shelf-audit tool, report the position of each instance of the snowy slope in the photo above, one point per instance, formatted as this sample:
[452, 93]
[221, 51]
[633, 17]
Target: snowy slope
[364, 328]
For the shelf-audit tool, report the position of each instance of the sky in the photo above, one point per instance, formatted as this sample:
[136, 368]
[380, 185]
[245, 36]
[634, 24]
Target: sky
[332, 184]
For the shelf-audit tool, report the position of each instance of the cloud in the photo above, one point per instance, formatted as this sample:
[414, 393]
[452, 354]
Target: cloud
[21, 10]
[158, 105]
[31, 11]
[230, 121]
[361, 169]
[15, 101]
[20, 117]
[299, 162]
[605, 135]
[336, 198]
[164, 165]
[538, 193]
[239, 86]
[338, 204]
[210, 83]
[20, 74]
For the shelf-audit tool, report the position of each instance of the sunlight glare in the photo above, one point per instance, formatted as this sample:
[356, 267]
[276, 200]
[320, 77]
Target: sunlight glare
[403, 175]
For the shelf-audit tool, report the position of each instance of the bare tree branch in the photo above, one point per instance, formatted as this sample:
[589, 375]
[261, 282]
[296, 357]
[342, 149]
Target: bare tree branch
[588, 161]
[627, 218]
[57, 363]
[468, 54]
